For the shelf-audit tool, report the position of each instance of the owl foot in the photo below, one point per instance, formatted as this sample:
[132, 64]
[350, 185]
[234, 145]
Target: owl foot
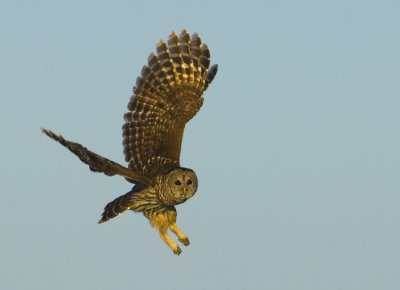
[184, 241]
[177, 251]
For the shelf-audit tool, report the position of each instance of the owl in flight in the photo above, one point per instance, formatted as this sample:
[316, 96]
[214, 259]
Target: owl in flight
[167, 95]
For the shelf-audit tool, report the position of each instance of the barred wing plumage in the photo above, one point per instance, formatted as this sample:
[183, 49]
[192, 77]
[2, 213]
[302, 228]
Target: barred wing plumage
[166, 96]
[96, 162]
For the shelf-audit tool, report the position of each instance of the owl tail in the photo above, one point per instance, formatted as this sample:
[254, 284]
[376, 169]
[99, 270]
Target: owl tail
[116, 207]
[139, 199]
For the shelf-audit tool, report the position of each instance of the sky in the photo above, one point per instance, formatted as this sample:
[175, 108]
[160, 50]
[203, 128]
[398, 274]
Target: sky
[296, 146]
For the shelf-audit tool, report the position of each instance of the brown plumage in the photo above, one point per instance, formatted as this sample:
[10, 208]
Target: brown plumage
[166, 96]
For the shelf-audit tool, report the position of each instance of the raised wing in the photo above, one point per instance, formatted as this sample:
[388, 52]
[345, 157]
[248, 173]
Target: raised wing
[96, 162]
[166, 96]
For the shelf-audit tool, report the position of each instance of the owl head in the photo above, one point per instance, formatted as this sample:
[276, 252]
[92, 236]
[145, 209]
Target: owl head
[181, 184]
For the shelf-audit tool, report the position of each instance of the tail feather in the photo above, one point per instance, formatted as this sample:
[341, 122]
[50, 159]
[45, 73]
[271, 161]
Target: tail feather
[139, 199]
[116, 207]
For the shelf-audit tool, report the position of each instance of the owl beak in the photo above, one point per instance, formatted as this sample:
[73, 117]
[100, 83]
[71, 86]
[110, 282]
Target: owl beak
[184, 191]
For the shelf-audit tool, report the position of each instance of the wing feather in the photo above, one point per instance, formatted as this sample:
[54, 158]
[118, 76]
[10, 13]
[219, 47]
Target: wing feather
[96, 162]
[166, 96]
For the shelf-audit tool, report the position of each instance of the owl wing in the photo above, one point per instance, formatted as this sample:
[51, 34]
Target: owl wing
[166, 96]
[96, 162]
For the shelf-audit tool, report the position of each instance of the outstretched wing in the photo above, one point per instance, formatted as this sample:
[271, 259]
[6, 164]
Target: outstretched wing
[96, 162]
[166, 96]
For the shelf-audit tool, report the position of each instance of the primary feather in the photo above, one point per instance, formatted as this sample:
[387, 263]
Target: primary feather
[166, 96]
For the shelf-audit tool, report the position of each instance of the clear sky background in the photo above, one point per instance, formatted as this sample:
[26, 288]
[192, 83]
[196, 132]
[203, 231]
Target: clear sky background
[296, 147]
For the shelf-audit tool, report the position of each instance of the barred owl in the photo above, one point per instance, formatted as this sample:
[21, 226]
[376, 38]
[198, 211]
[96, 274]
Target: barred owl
[167, 95]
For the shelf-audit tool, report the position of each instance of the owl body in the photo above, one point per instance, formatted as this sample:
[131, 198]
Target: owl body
[167, 94]
[170, 188]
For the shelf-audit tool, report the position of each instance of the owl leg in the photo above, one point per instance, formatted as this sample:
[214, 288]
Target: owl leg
[171, 215]
[160, 222]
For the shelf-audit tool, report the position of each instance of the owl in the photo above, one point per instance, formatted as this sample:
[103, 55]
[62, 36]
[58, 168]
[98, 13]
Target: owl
[167, 94]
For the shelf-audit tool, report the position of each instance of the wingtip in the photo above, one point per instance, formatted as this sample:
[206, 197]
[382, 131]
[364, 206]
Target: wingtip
[212, 72]
[184, 31]
[195, 36]
[214, 69]
[46, 132]
[172, 34]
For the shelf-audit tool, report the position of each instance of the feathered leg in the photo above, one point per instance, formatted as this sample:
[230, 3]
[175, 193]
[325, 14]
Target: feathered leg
[160, 222]
[171, 215]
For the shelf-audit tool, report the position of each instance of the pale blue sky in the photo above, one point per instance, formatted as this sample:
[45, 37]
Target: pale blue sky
[296, 146]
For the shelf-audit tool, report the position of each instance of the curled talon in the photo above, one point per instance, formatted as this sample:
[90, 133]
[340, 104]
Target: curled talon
[184, 241]
[167, 95]
[177, 251]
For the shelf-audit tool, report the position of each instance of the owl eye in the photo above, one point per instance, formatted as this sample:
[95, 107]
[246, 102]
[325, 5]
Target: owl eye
[189, 182]
[177, 182]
